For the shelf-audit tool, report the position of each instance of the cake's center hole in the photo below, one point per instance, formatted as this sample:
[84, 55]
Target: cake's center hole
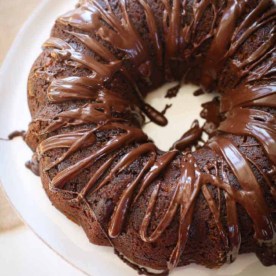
[185, 108]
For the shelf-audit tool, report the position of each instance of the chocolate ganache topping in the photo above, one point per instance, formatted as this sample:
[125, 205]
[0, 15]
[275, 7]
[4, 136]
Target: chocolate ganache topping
[246, 108]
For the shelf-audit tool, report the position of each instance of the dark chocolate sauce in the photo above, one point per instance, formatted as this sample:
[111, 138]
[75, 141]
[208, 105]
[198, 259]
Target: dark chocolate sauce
[14, 135]
[199, 92]
[212, 116]
[168, 106]
[173, 91]
[33, 165]
[190, 138]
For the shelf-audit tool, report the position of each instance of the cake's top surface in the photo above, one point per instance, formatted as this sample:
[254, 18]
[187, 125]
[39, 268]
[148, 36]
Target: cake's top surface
[102, 41]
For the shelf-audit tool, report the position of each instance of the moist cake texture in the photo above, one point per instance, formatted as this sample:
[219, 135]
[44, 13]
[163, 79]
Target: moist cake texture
[160, 209]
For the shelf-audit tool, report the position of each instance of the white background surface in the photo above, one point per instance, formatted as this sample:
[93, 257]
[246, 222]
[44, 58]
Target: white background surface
[21, 252]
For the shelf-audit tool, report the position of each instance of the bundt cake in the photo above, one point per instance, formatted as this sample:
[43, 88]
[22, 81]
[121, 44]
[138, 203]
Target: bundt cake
[86, 97]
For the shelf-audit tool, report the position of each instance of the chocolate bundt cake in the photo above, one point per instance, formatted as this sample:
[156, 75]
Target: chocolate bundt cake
[160, 209]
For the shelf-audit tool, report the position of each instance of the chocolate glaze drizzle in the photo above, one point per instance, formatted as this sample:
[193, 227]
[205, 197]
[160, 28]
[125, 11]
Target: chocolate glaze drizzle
[190, 138]
[240, 117]
[173, 91]
[16, 134]
[33, 165]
